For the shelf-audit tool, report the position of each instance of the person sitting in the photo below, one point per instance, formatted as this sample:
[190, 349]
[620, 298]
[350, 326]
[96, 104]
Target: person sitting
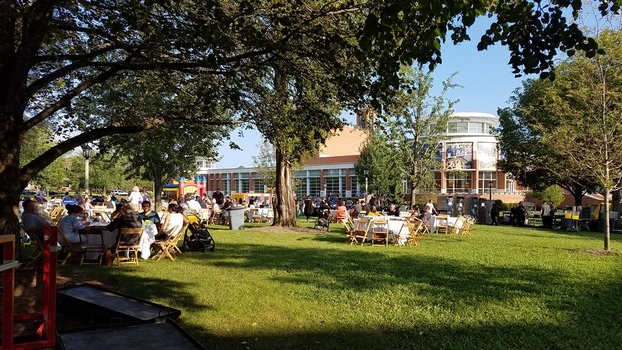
[373, 211]
[149, 215]
[33, 222]
[342, 211]
[356, 209]
[193, 204]
[173, 221]
[393, 211]
[128, 218]
[108, 203]
[71, 225]
[117, 211]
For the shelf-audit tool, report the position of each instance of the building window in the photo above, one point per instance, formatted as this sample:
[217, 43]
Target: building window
[227, 183]
[459, 182]
[476, 128]
[484, 178]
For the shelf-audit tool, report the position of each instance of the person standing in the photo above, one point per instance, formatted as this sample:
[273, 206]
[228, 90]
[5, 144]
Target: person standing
[494, 214]
[135, 198]
[309, 208]
[545, 214]
[219, 197]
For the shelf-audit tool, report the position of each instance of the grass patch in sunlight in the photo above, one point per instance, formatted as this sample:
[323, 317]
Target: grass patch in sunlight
[501, 288]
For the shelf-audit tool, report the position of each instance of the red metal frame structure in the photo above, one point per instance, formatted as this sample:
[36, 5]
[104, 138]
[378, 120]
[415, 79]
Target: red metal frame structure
[46, 333]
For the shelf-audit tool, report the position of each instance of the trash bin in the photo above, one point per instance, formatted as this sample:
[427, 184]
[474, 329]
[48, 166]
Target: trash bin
[236, 218]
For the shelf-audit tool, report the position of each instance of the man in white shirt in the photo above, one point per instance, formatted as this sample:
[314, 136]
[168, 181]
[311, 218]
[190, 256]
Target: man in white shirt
[431, 205]
[193, 204]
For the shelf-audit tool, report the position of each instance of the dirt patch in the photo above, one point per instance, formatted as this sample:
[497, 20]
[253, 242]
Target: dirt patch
[596, 252]
[279, 229]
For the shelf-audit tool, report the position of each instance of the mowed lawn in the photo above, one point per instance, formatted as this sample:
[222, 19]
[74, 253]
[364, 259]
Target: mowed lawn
[501, 288]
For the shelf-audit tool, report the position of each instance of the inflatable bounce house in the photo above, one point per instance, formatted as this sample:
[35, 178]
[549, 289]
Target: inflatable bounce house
[181, 187]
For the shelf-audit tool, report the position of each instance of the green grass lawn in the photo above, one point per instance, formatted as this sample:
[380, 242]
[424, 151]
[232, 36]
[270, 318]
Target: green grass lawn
[501, 288]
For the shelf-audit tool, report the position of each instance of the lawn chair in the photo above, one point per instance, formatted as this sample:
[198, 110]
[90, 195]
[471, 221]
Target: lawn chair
[359, 234]
[441, 223]
[128, 243]
[57, 214]
[380, 231]
[34, 239]
[415, 232]
[72, 249]
[466, 226]
[168, 247]
[455, 228]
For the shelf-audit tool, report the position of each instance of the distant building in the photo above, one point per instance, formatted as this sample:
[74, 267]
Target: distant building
[469, 155]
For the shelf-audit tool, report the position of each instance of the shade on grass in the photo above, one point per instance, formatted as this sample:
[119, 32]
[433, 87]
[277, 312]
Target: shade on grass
[501, 288]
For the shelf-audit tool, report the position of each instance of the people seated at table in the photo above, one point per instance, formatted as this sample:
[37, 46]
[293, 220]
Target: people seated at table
[33, 222]
[72, 224]
[181, 202]
[356, 209]
[393, 211]
[128, 218]
[149, 215]
[117, 211]
[172, 222]
[342, 211]
[193, 204]
[373, 211]
[427, 213]
[108, 203]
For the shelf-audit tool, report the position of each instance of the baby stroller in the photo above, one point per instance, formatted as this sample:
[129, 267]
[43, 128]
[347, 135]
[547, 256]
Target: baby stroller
[199, 239]
[323, 218]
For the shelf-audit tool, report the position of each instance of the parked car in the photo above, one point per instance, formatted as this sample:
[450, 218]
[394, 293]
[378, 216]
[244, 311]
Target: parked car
[118, 193]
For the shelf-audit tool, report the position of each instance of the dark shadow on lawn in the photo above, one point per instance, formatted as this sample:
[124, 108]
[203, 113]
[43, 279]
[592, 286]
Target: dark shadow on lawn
[577, 315]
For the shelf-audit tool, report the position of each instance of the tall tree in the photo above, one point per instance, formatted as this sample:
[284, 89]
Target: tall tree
[382, 162]
[417, 121]
[579, 116]
[53, 52]
[265, 164]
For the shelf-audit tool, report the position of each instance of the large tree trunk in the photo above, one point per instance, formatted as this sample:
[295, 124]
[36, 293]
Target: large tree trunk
[10, 185]
[284, 205]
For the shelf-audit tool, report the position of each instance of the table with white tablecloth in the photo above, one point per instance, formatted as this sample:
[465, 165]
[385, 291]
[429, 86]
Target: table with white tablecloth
[394, 224]
[442, 219]
[147, 239]
[97, 234]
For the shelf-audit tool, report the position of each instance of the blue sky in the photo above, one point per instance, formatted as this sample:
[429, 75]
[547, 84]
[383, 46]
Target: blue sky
[486, 78]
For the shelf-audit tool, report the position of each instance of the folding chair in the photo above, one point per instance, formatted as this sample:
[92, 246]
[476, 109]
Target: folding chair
[72, 249]
[98, 248]
[380, 231]
[441, 223]
[34, 239]
[456, 227]
[466, 226]
[360, 232]
[168, 247]
[415, 233]
[57, 214]
[128, 243]
[348, 225]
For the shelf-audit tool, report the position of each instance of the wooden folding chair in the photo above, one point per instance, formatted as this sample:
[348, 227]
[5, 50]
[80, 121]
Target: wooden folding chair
[34, 239]
[168, 247]
[466, 226]
[415, 233]
[441, 223]
[456, 226]
[359, 234]
[72, 249]
[380, 231]
[348, 224]
[128, 243]
[57, 214]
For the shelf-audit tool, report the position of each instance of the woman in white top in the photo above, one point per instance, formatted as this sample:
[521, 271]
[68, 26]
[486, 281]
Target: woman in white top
[172, 222]
[135, 198]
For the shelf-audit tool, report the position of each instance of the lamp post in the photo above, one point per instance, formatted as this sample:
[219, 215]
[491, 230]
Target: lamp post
[490, 189]
[366, 172]
[87, 151]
